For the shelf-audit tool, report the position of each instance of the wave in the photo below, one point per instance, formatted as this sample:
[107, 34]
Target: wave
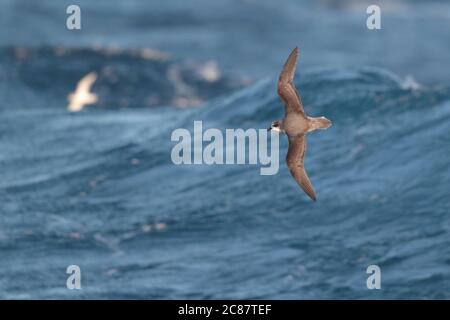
[92, 187]
[128, 78]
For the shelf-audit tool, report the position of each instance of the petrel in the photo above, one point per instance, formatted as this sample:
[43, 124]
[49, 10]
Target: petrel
[296, 124]
[82, 94]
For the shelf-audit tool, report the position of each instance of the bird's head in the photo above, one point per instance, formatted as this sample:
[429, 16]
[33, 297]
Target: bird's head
[276, 126]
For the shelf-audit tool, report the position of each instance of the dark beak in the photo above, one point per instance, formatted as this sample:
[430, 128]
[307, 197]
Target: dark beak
[268, 129]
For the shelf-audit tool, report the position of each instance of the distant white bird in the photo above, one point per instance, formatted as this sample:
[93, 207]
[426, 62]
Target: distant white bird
[82, 95]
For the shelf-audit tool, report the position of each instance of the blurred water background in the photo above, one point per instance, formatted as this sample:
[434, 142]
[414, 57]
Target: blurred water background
[98, 189]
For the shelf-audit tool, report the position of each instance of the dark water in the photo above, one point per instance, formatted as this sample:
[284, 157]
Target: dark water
[98, 189]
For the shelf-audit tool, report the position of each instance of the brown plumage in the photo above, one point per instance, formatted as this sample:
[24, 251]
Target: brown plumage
[296, 124]
[286, 89]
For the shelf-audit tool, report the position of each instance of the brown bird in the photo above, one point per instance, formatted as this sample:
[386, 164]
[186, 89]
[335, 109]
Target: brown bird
[296, 124]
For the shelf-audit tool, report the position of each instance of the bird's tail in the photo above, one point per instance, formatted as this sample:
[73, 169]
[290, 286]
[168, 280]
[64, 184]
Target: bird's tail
[320, 123]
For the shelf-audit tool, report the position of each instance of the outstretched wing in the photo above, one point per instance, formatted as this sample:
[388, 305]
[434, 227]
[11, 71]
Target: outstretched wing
[286, 89]
[84, 85]
[295, 162]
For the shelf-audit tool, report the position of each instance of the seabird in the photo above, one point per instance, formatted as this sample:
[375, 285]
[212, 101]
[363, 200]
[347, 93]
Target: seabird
[296, 124]
[82, 95]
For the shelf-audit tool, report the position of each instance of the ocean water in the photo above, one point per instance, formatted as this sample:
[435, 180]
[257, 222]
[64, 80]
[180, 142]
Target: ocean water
[98, 188]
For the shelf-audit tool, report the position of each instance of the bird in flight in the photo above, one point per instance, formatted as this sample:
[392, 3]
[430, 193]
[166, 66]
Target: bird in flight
[82, 95]
[296, 124]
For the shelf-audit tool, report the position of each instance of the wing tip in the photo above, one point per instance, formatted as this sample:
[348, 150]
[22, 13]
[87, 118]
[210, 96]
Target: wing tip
[303, 181]
[311, 194]
[294, 52]
[288, 72]
[92, 75]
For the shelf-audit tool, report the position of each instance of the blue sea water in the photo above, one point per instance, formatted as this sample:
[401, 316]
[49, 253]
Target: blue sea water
[98, 188]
